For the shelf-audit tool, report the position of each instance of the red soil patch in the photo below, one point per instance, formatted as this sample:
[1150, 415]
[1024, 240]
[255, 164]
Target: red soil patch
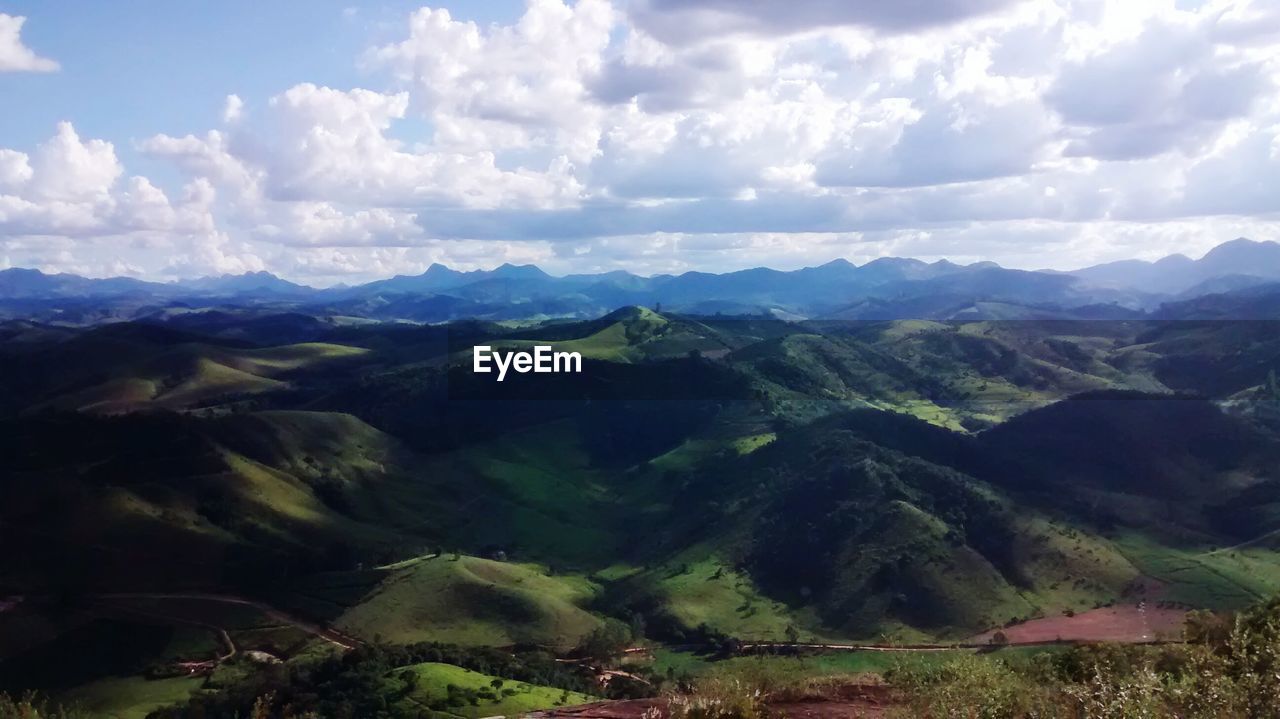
[627, 709]
[1127, 623]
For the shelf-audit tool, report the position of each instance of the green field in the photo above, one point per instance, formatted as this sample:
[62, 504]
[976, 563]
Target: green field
[781, 669]
[1204, 576]
[461, 692]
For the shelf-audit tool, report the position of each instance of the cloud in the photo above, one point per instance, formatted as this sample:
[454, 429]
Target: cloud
[1170, 87]
[233, 110]
[707, 133]
[69, 193]
[1240, 179]
[68, 169]
[683, 21]
[326, 143]
[946, 145]
[503, 87]
[322, 224]
[16, 57]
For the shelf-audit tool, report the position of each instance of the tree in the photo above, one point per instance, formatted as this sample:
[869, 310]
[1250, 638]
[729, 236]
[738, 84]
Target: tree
[606, 641]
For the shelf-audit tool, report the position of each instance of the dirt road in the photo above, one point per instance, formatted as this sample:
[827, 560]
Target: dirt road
[328, 634]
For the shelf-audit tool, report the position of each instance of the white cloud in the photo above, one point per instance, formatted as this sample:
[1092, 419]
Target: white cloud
[716, 133]
[15, 170]
[324, 225]
[519, 86]
[233, 109]
[15, 56]
[66, 200]
[325, 143]
[690, 20]
[67, 169]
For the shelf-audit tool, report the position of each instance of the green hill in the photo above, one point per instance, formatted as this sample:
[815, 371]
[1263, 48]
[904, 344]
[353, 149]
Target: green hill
[631, 334]
[118, 369]
[745, 476]
[454, 691]
[864, 525]
[165, 500]
[467, 600]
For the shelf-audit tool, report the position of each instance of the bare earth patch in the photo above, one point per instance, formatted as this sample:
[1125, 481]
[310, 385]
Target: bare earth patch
[1125, 623]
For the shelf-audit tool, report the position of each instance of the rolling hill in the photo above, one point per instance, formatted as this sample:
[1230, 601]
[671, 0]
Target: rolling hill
[706, 476]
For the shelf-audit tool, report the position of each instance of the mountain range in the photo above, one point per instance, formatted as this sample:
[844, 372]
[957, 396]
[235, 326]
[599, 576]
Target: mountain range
[886, 288]
[201, 473]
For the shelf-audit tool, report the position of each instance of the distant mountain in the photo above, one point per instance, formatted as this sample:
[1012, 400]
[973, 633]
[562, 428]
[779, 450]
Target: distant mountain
[1239, 258]
[21, 283]
[247, 283]
[438, 278]
[885, 288]
[18, 283]
[1255, 302]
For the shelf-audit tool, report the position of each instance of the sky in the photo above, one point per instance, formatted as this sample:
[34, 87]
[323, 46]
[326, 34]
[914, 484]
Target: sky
[333, 142]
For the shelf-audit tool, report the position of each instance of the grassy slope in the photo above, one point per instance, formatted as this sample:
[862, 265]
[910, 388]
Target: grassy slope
[699, 587]
[1203, 576]
[537, 493]
[632, 334]
[773, 670]
[511, 697]
[245, 480]
[473, 601]
[193, 374]
[533, 492]
[130, 697]
[941, 586]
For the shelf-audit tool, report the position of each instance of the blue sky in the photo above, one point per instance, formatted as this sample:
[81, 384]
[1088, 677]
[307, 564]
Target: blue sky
[336, 142]
[131, 69]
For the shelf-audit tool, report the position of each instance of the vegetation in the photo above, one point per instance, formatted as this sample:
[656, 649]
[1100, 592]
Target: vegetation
[395, 682]
[473, 601]
[34, 707]
[708, 481]
[1228, 669]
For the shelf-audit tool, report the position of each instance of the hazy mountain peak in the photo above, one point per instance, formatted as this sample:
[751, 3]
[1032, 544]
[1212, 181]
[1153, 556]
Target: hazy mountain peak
[243, 282]
[1242, 248]
[510, 270]
[840, 263]
[1179, 273]
[893, 262]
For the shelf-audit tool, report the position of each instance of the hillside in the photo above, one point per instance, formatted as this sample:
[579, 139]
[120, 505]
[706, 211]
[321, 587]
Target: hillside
[125, 368]
[705, 477]
[860, 527]
[462, 600]
[165, 501]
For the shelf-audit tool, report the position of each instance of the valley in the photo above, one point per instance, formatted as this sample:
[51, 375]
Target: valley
[212, 505]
